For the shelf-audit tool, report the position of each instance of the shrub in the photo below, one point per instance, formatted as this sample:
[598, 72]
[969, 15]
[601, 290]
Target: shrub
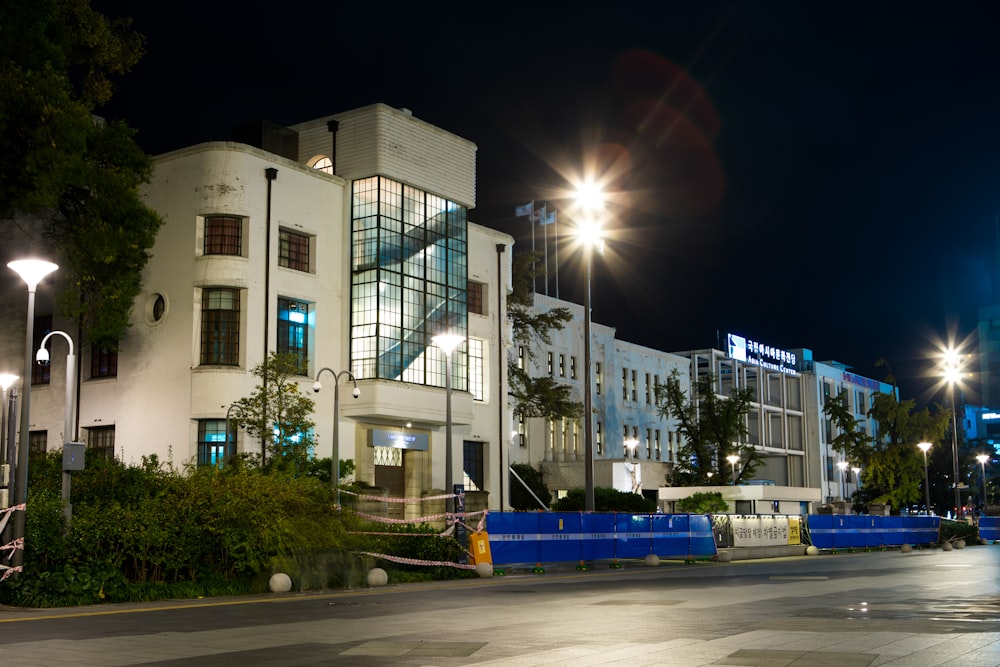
[606, 500]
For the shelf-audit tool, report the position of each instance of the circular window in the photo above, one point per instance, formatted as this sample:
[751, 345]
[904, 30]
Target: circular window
[156, 308]
[322, 163]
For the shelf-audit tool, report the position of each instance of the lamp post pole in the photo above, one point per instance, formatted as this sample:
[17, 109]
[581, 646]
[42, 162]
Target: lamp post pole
[733, 458]
[335, 463]
[31, 271]
[843, 484]
[924, 446]
[447, 343]
[954, 452]
[69, 430]
[983, 458]
[588, 407]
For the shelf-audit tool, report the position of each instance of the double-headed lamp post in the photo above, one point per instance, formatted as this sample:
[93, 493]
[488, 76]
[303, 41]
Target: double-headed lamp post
[31, 271]
[924, 446]
[69, 431]
[590, 200]
[733, 460]
[983, 458]
[447, 342]
[317, 386]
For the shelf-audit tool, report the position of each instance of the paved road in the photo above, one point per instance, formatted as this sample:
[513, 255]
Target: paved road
[846, 610]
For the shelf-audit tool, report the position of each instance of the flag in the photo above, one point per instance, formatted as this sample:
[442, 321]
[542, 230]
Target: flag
[547, 218]
[527, 209]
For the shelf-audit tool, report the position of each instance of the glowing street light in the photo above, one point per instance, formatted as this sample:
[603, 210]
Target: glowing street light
[843, 484]
[924, 446]
[630, 445]
[983, 458]
[590, 200]
[952, 375]
[31, 271]
[448, 342]
[733, 460]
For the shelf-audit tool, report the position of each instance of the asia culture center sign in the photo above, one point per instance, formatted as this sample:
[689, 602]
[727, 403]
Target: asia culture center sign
[757, 353]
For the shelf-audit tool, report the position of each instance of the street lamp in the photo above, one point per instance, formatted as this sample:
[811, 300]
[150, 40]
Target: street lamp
[924, 446]
[857, 477]
[447, 342]
[630, 445]
[733, 459]
[952, 362]
[335, 464]
[983, 458]
[31, 271]
[69, 431]
[843, 484]
[588, 231]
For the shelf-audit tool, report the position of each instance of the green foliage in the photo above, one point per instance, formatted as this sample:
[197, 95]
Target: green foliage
[520, 499]
[712, 428]
[419, 543]
[77, 177]
[706, 502]
[959, 530]
[606, 500]
[279, 413]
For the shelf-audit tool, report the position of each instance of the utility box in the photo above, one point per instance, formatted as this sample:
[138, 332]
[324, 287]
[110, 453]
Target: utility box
[479, 545]
[73, 455]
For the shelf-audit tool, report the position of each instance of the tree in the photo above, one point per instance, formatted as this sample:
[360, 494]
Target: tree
[703, 503]
[279, 414]
[68, 177]
[535, 396]
[712, 427]
[891, 464]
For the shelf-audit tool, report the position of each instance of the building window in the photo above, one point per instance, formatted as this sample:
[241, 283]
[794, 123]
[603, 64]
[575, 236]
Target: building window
[409, 282]
[476, 304]
[41, 373]
[213, 442]
[293, 250]
[649, 391]
[220, 327]
[550, 366]
[625, 384]
[649, 444]
[656, 444]
[598, 440]
[572, 367]
[598, 377]
[520, 357]
[477, 384]
[562, 365]
[522, 439]
[103, 362]
[223, 235]
[101, 441]
[576, 437]
[552, 436]
[475, 469]
[635, 394]
[564, 431]
[38, 442]
[293, 332]
[322, 163]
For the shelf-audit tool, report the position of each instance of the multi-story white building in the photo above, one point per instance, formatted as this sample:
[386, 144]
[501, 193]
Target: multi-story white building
[344, 241]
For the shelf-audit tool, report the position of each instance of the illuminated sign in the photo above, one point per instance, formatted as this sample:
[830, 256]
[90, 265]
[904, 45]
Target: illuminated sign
[766, 356]
[381, 437]
[990, 415]
[874, 385]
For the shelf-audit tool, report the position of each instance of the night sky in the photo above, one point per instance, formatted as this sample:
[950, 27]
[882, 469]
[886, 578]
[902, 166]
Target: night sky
[817, 175]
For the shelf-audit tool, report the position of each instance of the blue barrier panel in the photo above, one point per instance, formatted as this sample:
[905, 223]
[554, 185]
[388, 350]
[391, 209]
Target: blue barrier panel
[632, 535]
[514, 536]
[559, 537]
[844, 532]
[871, 531]
[893, 531]
[989, 527]
[820, 528]
[597, 537]
[924, 529]
[670, 535]
[702, 539]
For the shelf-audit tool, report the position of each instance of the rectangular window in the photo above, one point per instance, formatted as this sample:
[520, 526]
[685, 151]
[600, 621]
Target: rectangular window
[552, 436]
[293, 250]
[562, 365]
[477, 384]
[598, 441]
[41, 374]
[476, 304]
[550, 364]
[474, 465]
[625, 384]
[649, 391]
[649, 444]
[101, 442]
[103, 362]
[213, 442]
[522, 438]
[598, 377]
[564, 430]
[38, 442]
[520, 357]
[576, 437]
[635, 394]
[656, 444]
[220, 327]
[223, 235]
[293, 331]
[572, 367]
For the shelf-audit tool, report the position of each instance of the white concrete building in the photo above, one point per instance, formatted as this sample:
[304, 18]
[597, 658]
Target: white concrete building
[344, 241]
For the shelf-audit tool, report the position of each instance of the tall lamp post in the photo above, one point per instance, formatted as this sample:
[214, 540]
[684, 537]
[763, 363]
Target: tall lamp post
[630, 445]
[733, 460]
[69, 430]
[843, 483]
[317, 385]
[591, 200]
[31, 271]
[924, 446]
[447, 342]
[983, 458]
[952, 375]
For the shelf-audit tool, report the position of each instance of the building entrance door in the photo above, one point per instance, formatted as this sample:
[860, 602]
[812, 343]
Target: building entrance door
[389, 475]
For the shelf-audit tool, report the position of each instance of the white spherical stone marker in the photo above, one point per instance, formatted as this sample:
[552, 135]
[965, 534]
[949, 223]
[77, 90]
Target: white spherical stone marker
[959, 544]
[280, 583]
[946, 546]
[652, 560]
[812, 551]
[905, 548]
[484, 570]
[377, 577]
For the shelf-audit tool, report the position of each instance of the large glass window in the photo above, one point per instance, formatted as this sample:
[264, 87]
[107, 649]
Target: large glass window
[474, 465]
[223, 235]
[477, 385]
[409, 282]
[220, 327]
[212, 442]
[294, 320]
[293, 250]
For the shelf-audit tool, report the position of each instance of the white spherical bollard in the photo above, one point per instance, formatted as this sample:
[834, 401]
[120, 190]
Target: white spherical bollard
[812, 550]
[484, 570]
[724, 556]
[377, 577]
[280, 583]
[652, 560]
[905, 549]
[946, 546]
[959, 544]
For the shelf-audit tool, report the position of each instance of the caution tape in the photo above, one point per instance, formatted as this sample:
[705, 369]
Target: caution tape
[415, 561]
[387, 499]
[7, 571]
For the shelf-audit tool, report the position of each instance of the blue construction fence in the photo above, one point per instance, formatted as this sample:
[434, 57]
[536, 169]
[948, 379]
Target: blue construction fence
[536, 537]
[989, 527]
[848, 531]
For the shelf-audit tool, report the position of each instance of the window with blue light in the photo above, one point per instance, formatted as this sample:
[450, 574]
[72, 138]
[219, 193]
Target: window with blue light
[294, 321]
[213, 442]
